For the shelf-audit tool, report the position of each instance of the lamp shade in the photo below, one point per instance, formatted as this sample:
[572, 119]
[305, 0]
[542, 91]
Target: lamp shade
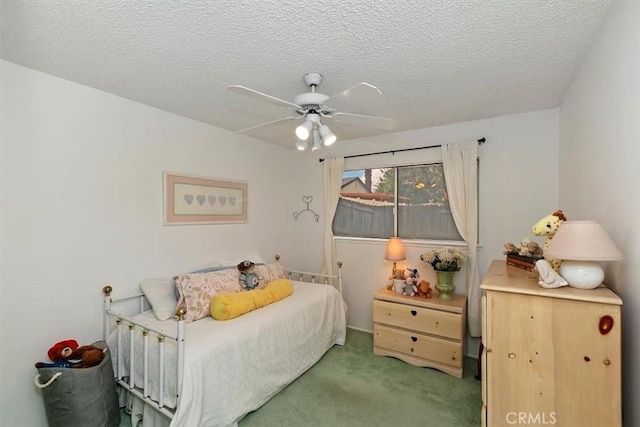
[579, 244]
[328, 137]
[304, 130]
[395, 250]
[582, 241]
[301, 144]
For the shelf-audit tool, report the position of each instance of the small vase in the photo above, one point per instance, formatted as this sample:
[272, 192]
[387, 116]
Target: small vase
[398, 286]
[445, 285]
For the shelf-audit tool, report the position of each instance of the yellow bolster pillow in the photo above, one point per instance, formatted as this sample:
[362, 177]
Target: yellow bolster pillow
[228, 306]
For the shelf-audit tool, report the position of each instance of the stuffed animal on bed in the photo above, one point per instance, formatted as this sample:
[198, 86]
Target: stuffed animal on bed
[248, 276]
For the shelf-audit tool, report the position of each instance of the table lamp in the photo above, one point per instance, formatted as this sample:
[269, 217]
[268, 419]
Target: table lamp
[395, 252]
[580, 244]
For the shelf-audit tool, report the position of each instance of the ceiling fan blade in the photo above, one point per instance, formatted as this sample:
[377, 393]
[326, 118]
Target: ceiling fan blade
[362, 120]
[271, 123]
[262, 96]
[361, 93]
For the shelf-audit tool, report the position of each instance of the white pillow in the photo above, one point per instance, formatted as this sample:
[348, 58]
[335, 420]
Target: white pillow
[161, 295]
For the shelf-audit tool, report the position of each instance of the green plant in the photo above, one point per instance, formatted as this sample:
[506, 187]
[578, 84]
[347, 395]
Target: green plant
[444, 259]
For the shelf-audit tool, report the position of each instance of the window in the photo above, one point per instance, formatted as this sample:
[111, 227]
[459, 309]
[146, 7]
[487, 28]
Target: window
[410, 199]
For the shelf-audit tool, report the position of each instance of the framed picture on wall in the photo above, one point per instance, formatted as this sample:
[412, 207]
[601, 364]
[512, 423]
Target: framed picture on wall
[190, 199]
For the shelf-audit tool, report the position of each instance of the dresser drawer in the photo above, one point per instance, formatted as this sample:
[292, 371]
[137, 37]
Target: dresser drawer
[418, 345]
[419, 319]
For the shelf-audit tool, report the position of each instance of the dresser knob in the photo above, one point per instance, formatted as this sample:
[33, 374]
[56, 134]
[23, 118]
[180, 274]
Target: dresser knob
[512, 355]
[413, 312]
[606, 362]
[414, 339]
[605, 324]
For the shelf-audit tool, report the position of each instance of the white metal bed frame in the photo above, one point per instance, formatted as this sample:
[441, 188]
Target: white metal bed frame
[144, 392]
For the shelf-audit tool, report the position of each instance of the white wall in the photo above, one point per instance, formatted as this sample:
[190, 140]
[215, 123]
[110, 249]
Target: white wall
[81, 197]
[600, 167]
[518, 186]
[81, 207]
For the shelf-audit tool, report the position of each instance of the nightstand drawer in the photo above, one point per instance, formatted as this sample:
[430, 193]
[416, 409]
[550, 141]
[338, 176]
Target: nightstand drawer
[419, 319]
[418, 345]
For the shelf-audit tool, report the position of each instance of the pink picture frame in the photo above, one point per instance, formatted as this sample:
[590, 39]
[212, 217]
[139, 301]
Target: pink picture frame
[191, 200]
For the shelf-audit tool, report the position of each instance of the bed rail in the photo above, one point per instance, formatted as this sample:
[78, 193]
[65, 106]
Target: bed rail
[138, 331]
[326, 279]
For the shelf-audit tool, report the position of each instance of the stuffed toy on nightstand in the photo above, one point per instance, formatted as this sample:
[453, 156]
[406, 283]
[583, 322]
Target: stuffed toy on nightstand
[411, 283]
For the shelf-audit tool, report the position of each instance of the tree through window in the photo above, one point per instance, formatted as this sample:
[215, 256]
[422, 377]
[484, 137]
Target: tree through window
[368, 206]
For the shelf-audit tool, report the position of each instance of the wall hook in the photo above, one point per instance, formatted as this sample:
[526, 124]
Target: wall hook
[307, 200]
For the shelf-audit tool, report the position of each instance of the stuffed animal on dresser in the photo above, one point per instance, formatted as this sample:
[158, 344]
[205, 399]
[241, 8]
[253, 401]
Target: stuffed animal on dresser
[424, 289]
[411, 283]
[548, 226]
[510, 248]
[530, 249]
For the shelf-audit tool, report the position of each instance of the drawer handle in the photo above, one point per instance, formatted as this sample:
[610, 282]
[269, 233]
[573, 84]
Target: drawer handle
[414, 339]
[413, 312]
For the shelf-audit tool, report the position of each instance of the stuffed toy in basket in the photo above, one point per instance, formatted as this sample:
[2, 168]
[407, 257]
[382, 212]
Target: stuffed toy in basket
[79, 387]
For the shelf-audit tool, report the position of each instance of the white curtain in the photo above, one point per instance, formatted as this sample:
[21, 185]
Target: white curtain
[333, 170]
[460, 164]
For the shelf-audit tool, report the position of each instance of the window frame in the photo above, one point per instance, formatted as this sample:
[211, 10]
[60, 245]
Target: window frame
[417, 241]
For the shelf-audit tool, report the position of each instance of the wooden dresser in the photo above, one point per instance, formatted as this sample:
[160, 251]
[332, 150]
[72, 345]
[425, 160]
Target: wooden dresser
[420, 331]
[551, 356]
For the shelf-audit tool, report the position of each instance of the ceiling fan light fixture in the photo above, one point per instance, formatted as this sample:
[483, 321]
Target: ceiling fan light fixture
[304, 130]
[328, 137]
[317, 140]
[310, 108]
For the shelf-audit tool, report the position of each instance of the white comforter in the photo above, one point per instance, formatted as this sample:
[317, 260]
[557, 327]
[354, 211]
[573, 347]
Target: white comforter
[233, 367]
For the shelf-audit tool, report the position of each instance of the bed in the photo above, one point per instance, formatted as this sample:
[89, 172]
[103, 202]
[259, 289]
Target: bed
[209, 372]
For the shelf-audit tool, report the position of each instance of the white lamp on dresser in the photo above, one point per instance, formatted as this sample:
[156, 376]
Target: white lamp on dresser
[581, 245]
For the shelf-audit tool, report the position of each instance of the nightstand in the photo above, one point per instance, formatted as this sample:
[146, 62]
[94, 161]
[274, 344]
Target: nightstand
[424, 332]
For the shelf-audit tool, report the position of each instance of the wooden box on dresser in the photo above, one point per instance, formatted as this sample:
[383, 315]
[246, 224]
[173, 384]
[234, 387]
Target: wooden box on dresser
[423, 332]
[551, 356]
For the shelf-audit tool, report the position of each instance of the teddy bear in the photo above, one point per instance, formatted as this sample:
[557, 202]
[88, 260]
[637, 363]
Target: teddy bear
[530, 249]
[510, 248]
[424, 289]
[536, 250]
[68, 354]
[248, 278]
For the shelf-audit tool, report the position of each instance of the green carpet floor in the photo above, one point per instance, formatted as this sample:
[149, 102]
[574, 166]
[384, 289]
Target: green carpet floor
[351, 387]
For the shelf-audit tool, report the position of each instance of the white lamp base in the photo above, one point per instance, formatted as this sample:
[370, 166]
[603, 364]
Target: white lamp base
[582, 274]
[398, 286]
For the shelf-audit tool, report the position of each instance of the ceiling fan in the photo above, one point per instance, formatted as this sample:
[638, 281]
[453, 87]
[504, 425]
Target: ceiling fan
[312, 108]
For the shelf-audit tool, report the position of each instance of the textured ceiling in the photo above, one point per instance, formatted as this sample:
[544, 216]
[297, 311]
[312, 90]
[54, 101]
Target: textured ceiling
[436, 62]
